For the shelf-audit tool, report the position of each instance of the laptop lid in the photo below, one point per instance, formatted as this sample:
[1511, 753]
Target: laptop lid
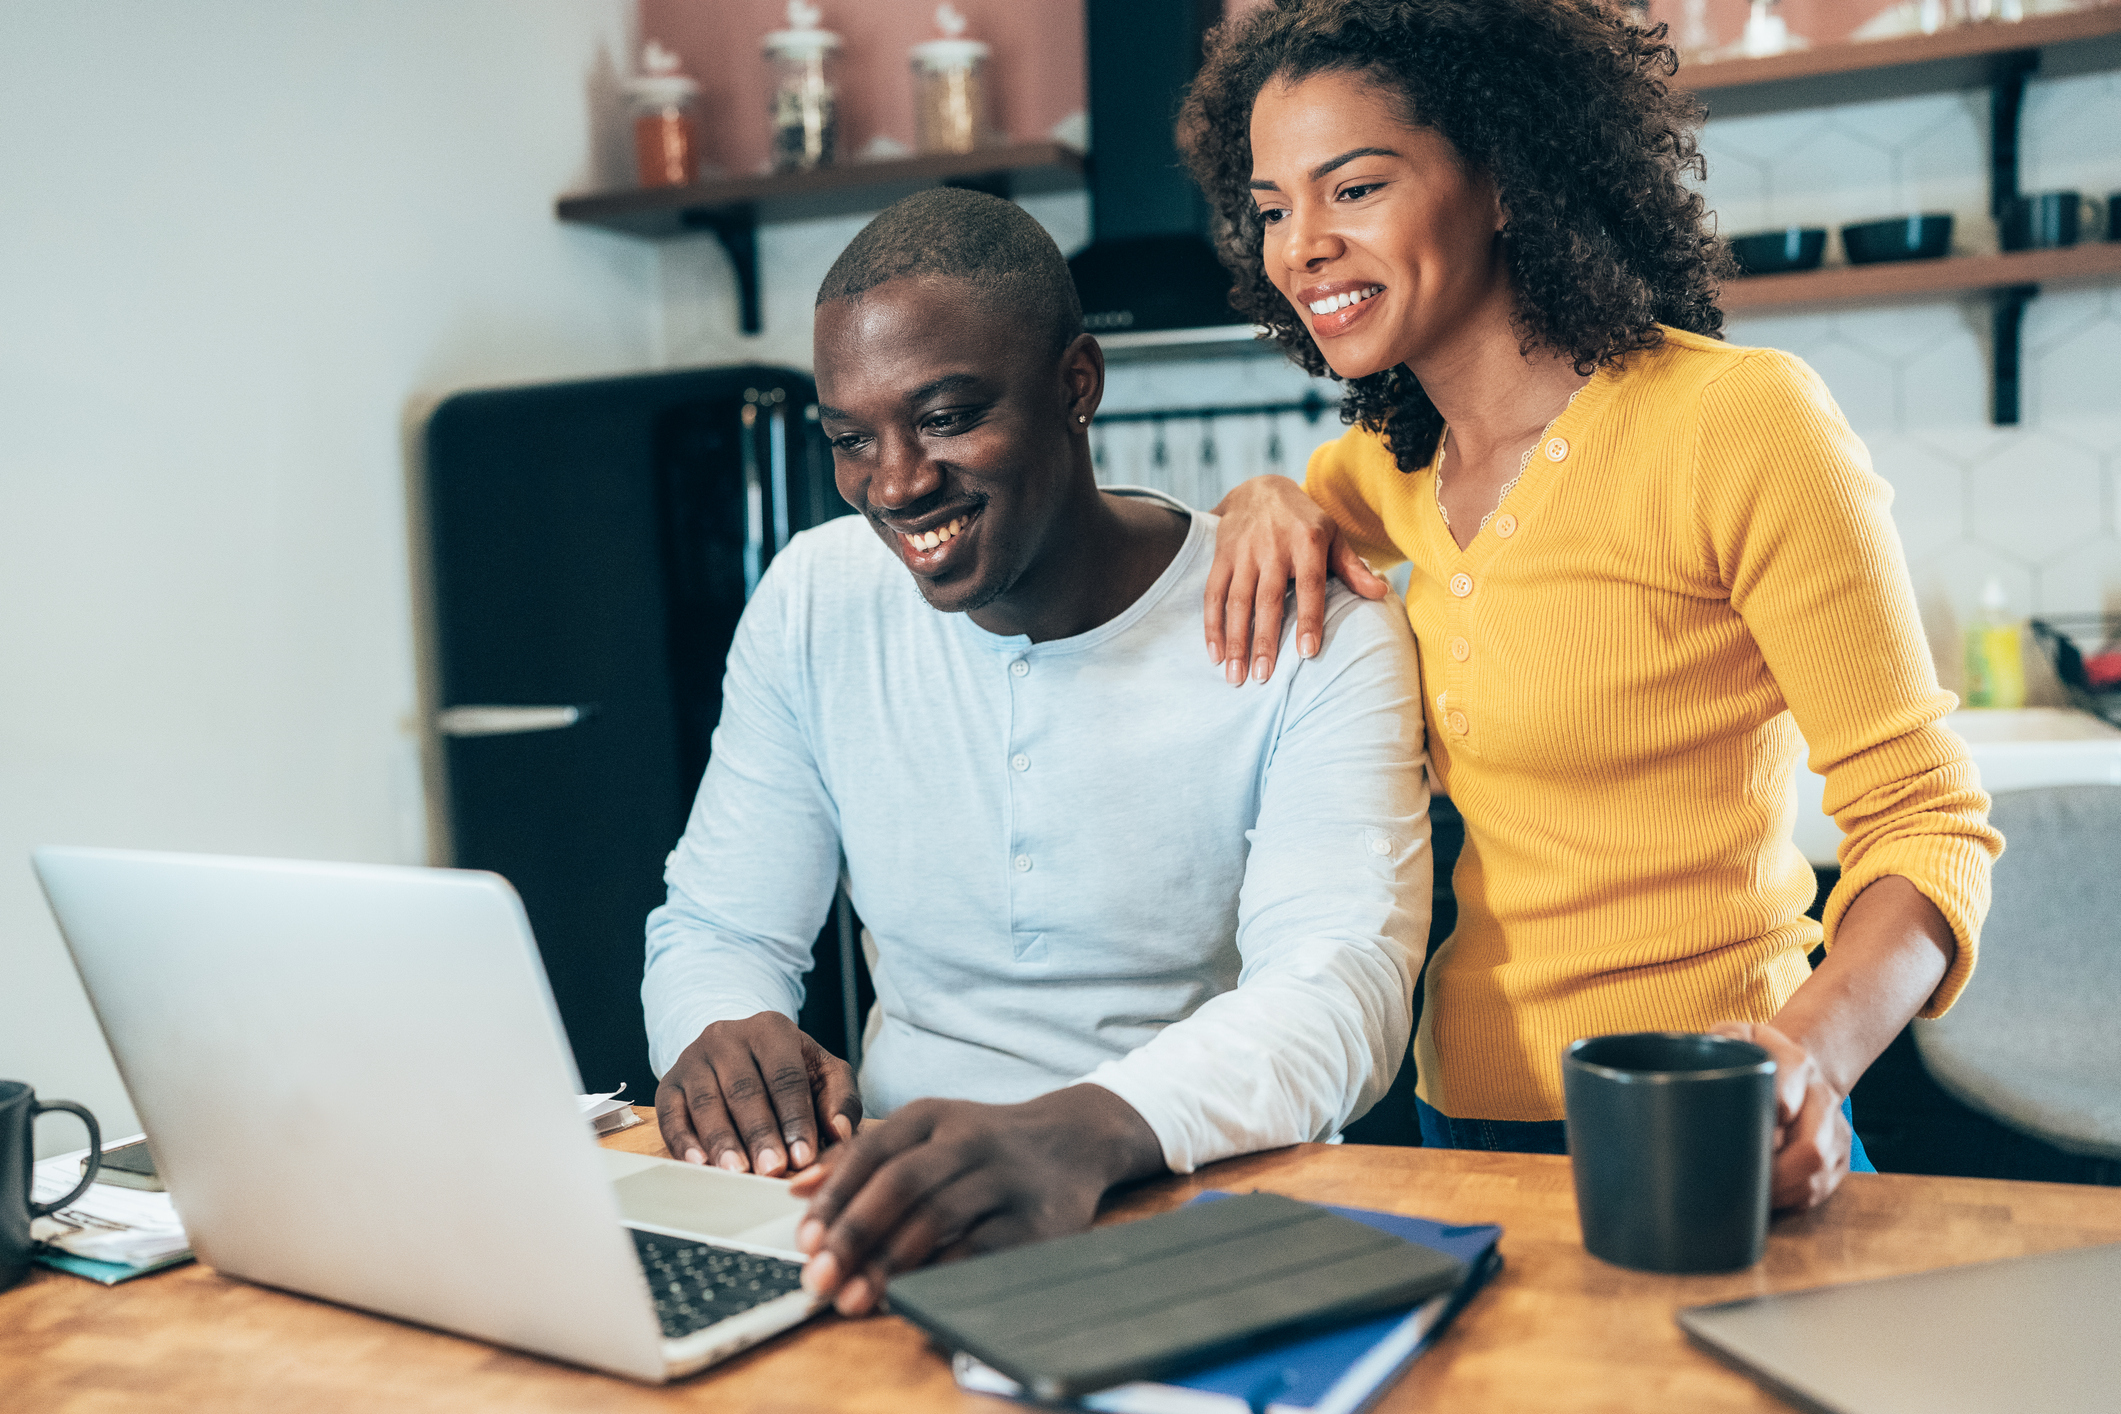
[281, 1028]
[2027, 1333]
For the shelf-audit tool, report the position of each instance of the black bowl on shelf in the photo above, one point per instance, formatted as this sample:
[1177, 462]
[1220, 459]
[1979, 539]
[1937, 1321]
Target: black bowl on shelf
[1902, 238]
[1778, 252]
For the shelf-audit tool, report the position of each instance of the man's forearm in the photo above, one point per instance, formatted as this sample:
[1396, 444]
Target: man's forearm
[1891, 951]
[1288, 1056]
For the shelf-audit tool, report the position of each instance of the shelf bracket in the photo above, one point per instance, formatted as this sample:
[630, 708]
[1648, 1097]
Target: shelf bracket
[2006, 106]
[737, 227]
[2007, 76]
[2009, 349]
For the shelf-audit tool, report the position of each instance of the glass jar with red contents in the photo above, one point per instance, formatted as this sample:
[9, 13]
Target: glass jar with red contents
[665, 147]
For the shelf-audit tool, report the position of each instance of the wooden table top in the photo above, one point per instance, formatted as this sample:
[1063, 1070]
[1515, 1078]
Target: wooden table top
[1556, 1330]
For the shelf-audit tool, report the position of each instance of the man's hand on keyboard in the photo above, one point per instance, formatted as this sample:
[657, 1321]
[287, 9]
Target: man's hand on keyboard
[756, 1095]
[942, 1179]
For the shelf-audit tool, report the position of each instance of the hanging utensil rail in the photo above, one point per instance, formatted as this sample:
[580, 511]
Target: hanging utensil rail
[1313, 407]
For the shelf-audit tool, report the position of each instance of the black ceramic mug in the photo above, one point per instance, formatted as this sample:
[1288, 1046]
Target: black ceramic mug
[1672, 1137]
[2048, 221]
[19, 1108]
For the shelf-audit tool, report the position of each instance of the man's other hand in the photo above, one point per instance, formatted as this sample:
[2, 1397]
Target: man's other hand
[942, 1179]
[756, 1095]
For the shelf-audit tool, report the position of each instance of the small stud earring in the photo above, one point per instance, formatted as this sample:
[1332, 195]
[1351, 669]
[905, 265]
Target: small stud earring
[1080, 418]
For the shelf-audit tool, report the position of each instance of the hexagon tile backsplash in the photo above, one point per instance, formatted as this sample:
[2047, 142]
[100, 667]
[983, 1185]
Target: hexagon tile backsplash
[2033, 504]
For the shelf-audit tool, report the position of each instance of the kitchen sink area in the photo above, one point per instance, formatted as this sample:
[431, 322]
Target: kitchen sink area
[2015, 749]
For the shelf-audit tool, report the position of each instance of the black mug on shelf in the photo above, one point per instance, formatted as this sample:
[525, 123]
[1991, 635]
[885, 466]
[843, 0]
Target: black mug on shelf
[2048, 221]
[1672, 1139]
[19, 1108]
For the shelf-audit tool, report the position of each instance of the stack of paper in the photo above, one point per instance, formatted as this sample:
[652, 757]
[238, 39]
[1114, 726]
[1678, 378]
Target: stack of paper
[608, 1114]
[109, 1233]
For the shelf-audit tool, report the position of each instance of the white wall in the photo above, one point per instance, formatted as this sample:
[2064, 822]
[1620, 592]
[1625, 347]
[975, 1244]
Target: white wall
[243, 245]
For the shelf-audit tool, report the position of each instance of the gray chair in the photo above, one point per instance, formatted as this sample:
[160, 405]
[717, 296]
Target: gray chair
[2035, 1041]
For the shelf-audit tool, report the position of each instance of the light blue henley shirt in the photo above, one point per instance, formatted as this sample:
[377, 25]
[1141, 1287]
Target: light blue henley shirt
[1085, 859]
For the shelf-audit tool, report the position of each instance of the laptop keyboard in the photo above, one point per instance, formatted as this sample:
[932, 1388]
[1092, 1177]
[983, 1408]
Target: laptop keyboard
[696, 1284]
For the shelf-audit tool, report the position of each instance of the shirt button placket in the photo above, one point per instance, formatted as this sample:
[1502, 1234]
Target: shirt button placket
[1461, 587]
[1019, 762]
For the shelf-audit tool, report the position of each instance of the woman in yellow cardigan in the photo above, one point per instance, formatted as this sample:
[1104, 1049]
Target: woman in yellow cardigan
[1648, 568]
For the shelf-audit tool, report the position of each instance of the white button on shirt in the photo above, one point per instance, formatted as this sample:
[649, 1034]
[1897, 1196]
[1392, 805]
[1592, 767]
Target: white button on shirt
[1186, 836]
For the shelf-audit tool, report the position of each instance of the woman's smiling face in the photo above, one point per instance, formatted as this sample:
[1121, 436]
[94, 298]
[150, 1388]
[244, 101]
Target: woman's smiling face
[1376, 233]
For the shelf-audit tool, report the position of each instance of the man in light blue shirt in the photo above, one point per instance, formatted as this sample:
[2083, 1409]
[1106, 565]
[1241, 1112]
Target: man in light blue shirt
[1125, 920]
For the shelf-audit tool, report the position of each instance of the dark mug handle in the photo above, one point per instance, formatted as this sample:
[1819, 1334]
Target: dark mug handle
[95, 1152]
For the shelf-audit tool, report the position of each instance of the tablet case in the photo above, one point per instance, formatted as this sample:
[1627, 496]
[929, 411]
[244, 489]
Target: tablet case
[1156, 1297]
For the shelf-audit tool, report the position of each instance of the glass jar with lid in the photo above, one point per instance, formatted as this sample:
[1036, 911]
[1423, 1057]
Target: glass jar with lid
[950, 88]
[805, 102]
[665, 148]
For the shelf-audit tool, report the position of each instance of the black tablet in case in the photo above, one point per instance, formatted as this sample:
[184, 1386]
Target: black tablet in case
[1163, 1295]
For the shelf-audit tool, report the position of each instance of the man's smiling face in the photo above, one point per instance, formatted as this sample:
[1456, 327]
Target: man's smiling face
[949, 432]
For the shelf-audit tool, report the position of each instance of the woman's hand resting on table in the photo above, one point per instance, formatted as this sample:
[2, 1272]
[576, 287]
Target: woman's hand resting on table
[1812, 1136]
[1271, 534]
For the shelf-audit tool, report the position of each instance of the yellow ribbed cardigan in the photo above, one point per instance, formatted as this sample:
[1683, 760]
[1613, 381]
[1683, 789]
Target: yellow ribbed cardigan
[1695, 578]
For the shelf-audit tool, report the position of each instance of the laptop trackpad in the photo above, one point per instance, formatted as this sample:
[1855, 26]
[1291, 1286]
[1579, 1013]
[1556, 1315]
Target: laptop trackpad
[711, 1203]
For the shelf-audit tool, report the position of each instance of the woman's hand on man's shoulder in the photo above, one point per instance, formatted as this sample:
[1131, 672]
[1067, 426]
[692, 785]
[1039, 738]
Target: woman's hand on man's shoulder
[1273, 534]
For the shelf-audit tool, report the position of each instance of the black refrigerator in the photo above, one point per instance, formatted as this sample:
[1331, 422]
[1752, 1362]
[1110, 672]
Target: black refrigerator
[591, 545]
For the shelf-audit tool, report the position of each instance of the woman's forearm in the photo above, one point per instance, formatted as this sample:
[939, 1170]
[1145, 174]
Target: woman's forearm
[1891, 951]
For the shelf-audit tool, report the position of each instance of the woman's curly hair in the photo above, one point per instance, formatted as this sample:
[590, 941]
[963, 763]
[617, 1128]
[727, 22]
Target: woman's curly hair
[1562, 103]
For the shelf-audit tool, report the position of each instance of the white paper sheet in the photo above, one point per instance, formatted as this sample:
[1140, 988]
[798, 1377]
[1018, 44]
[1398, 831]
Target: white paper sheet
[107, 1223]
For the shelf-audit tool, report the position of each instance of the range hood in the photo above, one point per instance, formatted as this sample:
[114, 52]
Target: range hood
[1149, 265]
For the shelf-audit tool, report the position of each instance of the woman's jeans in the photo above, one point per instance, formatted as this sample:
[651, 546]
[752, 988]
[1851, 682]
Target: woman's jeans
[1551, 1136]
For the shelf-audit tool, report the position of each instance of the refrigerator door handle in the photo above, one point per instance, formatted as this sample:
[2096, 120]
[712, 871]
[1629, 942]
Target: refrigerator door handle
[506, 721]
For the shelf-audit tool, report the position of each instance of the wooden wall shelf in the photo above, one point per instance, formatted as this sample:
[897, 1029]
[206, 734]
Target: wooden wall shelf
[1966, 56]
[732, 208]
[660, 212]
[1998, 57]
[1920, 279]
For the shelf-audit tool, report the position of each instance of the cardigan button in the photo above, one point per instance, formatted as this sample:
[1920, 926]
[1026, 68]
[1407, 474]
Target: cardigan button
[1506, 525]
[1461, 584]
[1557, 449]
[1460, 649]
[1458, 723]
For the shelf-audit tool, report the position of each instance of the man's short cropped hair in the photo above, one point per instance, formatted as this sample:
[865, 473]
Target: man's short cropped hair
[991, 244]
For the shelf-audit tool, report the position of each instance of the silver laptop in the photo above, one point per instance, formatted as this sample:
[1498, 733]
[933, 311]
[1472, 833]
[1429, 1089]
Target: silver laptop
[356, 1087]
[2027, 1334]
